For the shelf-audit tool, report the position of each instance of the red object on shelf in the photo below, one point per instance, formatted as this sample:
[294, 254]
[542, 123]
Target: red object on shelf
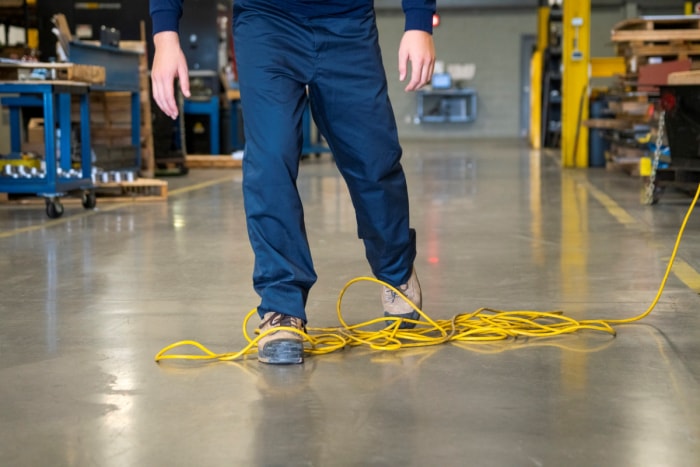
[652, 76]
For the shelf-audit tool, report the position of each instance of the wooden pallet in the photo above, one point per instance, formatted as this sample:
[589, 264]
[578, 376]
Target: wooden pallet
[92, 74]
[657, 29]
[685, 77]
[638, 54]
[213, 161]
[672, 49]
[141, 190]
[665, 38]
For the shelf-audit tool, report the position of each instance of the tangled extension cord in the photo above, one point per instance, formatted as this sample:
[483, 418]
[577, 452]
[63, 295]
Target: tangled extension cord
[482, 325]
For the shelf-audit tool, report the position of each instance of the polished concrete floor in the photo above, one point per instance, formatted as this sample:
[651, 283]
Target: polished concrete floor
[86, 302]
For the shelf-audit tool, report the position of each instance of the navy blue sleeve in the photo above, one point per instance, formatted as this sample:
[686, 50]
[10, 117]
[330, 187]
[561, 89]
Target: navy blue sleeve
[419, 14]
[165, 15]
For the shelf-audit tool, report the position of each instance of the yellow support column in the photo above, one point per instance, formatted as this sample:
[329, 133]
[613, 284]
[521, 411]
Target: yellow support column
[575, 81]
[608, 67]
[536, 66]
[543, 25]
[689, 8]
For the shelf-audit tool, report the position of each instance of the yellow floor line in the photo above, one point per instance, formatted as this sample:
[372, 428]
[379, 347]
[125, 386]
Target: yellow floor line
[622, 216]
[687, 274]
[681, 269]
[199, 186]
[62, 220]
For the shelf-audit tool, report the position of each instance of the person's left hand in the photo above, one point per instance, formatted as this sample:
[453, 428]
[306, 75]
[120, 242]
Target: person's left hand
[416, 47]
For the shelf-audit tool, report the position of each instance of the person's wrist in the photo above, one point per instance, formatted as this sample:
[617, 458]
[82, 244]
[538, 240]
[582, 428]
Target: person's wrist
[166, 39]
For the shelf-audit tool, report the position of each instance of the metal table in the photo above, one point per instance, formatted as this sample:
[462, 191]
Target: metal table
[52, 183]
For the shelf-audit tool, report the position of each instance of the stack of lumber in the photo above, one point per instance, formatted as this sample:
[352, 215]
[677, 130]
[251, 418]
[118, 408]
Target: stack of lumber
[653, 39]
[631, 119]
[654, 48]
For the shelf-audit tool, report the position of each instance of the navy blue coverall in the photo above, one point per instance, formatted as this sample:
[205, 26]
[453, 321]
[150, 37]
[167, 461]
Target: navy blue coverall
[332, 48]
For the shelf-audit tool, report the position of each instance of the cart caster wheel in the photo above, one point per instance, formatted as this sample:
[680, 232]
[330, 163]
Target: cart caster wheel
[54, 209]
[658, 193]
[89, 200]
[184, 170]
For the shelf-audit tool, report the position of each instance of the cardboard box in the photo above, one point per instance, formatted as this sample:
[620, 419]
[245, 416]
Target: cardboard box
[107, 109]
[37, 149]
[35, 131]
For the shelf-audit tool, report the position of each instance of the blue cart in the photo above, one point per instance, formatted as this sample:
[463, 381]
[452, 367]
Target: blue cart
[57, 177]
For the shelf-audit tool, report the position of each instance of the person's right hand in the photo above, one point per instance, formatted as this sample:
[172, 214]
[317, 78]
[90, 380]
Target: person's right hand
[168, 63]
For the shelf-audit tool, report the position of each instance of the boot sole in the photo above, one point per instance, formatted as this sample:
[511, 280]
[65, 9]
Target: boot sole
[412, 315]
[282, 352]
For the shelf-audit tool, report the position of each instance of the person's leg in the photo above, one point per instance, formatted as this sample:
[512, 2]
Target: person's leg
[272, 60]
[351, 107]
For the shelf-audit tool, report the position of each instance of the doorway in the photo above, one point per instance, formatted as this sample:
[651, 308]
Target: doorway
[528, 42]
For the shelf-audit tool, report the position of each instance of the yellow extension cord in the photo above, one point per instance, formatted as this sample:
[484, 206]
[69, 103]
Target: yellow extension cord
[482, 325]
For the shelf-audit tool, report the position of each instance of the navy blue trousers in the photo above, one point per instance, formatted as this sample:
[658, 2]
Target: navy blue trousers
[278, 55]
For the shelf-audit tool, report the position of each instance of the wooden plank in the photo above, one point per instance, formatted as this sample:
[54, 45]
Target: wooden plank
[657, 36]
[650, 23]
[212, 161]
[16, 70]
[86, 73]
[64, 34]
[608, 124]
[663, 50]
[684, 77]
[143, 188]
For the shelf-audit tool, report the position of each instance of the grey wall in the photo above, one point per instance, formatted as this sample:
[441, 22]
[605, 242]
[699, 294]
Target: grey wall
[491, 40]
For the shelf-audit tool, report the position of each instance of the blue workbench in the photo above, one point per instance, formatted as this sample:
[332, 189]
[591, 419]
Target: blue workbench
[55, 98]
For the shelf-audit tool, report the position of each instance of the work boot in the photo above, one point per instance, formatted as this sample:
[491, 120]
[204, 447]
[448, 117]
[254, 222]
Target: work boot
[281, 347]
[396, 307]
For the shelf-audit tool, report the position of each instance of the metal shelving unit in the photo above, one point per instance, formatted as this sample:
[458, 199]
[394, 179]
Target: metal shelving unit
[447, 106]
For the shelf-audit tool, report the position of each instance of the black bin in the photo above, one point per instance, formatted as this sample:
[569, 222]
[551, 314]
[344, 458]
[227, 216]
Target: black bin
[682, 106]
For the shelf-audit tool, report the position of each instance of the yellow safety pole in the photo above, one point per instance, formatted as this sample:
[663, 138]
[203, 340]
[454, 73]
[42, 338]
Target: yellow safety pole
[689, 9]
[543, 25]
[575, 82]
[536, 66]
